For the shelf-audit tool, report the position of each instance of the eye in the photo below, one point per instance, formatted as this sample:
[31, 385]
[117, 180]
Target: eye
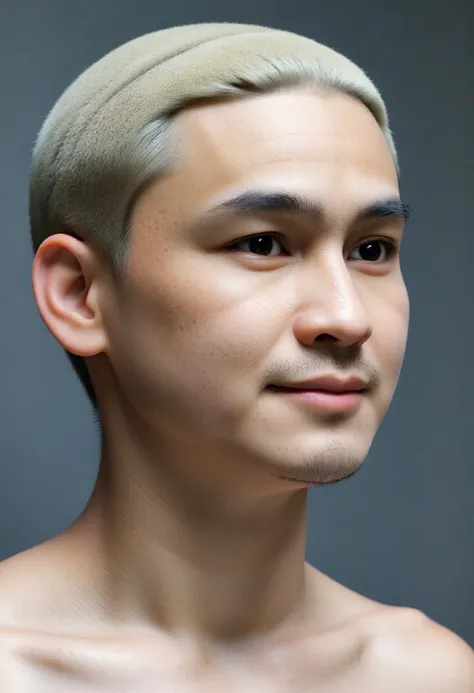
[376, 250]
[270, 245]
[263, 244]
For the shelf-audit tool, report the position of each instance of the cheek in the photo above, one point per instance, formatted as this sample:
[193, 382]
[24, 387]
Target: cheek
[197, 351]
[392, 332]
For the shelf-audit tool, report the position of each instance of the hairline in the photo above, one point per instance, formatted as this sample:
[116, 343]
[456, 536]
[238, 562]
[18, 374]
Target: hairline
[170, 128]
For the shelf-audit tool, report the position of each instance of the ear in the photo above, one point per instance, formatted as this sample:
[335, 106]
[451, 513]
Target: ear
[65, 277]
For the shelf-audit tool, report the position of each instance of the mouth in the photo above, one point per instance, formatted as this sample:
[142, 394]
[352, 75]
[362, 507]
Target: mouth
[323, 399]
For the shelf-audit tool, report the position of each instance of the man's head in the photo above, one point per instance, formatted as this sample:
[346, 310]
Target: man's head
[153, 180]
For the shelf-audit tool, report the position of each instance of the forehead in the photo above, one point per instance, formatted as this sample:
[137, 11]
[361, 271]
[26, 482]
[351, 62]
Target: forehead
[302, 140]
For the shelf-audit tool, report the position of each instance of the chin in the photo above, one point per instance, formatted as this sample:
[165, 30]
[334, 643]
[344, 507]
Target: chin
[320, 477]
[328, 468]
[326, 462]
[298, 446]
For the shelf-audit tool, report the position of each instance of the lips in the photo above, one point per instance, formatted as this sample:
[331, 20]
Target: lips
[330, 384]
[342, 400]
[327, 390]
[328, 393]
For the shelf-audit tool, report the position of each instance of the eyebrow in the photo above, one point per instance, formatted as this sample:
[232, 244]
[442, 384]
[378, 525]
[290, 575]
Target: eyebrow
[265, 202]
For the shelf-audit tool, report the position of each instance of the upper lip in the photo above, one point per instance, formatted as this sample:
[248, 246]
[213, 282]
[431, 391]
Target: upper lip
[330, 383]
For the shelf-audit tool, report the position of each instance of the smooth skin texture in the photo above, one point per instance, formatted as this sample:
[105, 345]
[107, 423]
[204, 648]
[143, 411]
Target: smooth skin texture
[186, 572]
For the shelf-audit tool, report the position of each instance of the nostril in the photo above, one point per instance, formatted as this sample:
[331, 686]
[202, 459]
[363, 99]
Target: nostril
[325, 338]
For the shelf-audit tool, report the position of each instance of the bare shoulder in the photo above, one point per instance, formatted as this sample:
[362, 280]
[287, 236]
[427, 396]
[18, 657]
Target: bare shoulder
[24, 582]
[414, 654]
[17, 593]
[47, 583]
[32, 596]
[11, 644]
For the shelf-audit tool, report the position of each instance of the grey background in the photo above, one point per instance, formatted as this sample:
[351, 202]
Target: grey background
[401, 531]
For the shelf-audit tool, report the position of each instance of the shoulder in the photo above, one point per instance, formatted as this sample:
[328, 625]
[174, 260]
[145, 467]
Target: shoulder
[10, 647]
[22, 587]
[15, 604]
[46, 584]
[417, 655]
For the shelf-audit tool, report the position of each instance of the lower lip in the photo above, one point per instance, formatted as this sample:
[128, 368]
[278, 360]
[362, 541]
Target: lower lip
[322, 399]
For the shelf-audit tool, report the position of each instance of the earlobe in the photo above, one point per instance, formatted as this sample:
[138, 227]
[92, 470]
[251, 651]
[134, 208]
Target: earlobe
[66, 294]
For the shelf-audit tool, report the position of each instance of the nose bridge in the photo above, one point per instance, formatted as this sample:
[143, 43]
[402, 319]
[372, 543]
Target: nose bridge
[332, 299]
[336, 287]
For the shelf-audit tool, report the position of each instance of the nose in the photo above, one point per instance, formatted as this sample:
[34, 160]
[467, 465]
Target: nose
[331, 309]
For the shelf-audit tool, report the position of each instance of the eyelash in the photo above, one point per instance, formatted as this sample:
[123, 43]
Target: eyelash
[391, 247]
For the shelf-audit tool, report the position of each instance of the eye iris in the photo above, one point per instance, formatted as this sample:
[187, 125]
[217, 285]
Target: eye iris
[370, 251]
[261, 245]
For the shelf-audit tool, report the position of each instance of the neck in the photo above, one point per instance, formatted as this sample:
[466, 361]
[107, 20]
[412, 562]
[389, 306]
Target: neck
[187, 544]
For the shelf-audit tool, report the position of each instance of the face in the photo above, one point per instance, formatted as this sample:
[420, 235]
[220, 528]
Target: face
[300, 280]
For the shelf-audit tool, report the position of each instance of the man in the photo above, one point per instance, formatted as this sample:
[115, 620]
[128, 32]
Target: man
[216, 218]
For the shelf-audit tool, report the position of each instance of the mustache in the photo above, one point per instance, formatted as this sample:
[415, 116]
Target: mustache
[319, 364]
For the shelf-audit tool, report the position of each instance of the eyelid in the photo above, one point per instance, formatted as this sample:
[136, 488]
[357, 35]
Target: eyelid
[391, 248]
[248, 237]
[392, 245]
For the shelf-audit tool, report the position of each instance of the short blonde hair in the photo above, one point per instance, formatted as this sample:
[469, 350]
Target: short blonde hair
[112, 131]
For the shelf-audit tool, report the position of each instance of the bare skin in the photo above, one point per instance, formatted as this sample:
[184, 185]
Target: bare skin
[186, 570]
